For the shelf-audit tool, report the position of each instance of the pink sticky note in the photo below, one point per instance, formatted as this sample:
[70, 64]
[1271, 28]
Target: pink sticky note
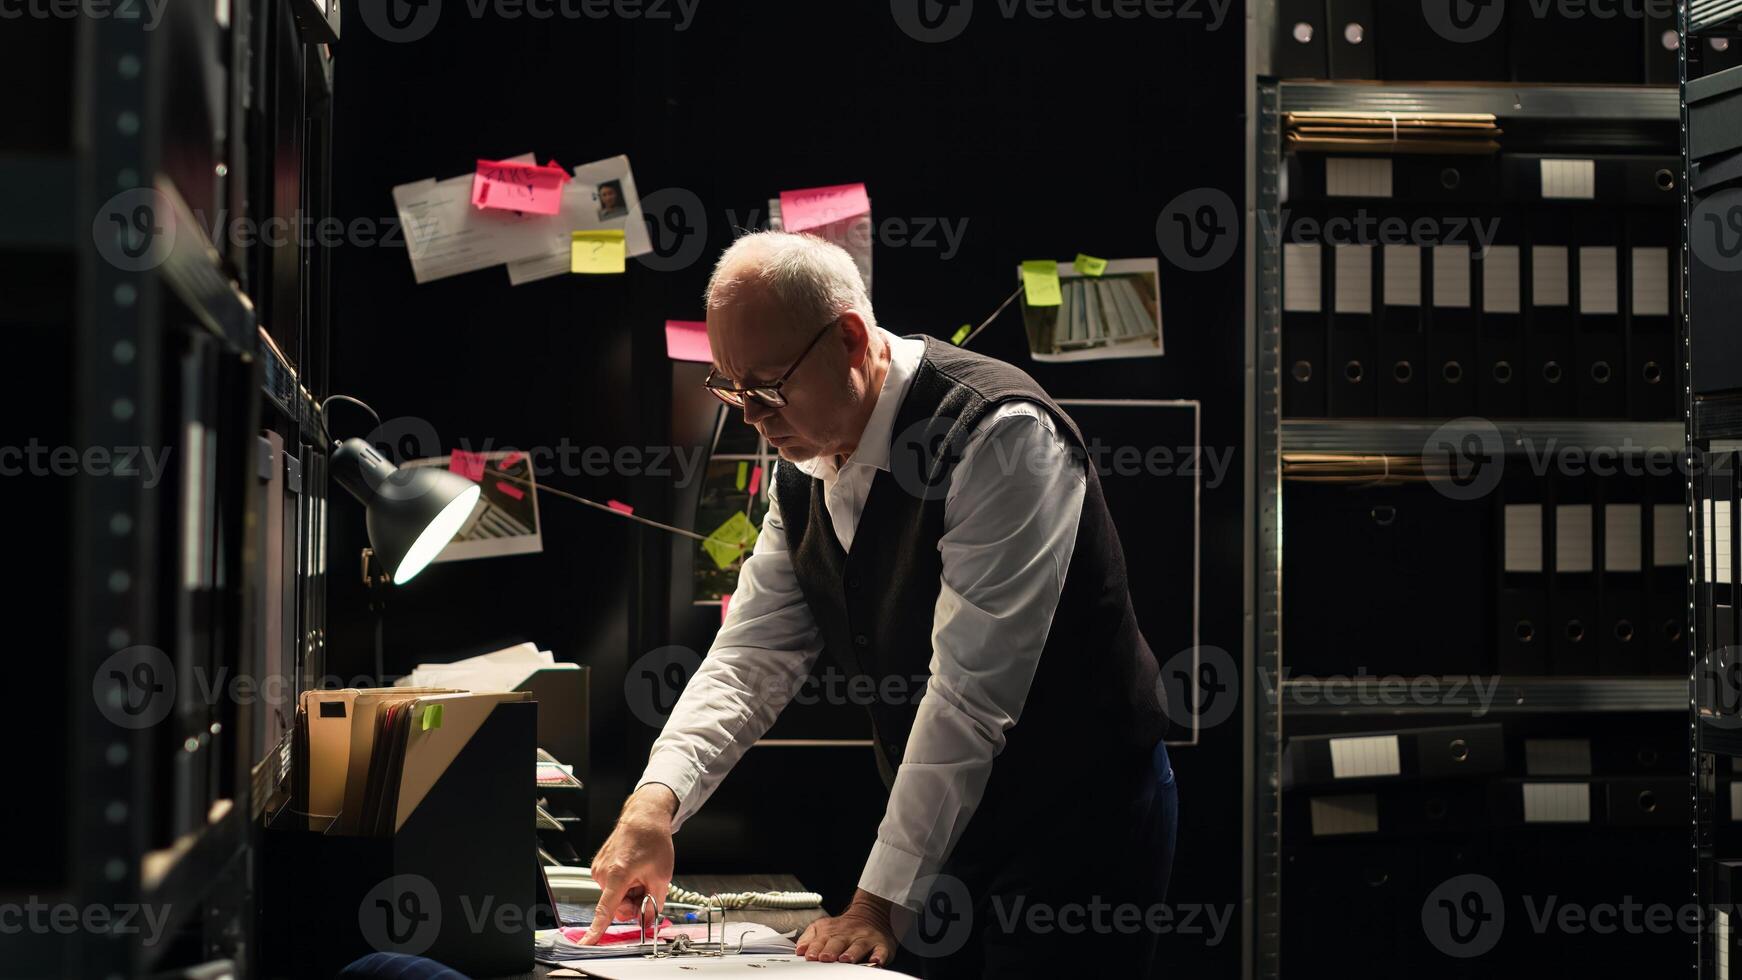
[755, 480]
[510, 489]
[468, 465]
[619, 506]
[687, 340]
[816, 206]
[518, 186]
[725, 604]
[509, 460]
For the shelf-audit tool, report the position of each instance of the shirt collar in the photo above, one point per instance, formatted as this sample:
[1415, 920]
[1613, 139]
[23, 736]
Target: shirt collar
[873, 451]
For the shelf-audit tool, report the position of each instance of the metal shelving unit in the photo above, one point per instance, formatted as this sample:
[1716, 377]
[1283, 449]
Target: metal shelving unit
[1606, 112]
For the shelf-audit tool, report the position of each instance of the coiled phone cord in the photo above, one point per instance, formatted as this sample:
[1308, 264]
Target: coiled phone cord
[745, 900]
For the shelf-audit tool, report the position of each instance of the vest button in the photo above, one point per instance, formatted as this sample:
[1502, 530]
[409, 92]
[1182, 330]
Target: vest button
[861, 639]
[853, 582]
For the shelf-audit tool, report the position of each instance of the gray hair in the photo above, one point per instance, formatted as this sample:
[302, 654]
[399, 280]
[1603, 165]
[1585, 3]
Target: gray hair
[814, 278]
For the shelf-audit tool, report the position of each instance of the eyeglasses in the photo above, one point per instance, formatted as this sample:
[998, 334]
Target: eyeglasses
[768, 394]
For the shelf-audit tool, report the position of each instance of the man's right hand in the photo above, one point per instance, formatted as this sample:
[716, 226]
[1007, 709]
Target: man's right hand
[635, 861]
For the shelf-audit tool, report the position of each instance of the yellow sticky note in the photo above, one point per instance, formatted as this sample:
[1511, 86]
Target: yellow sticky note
[432, 717]
[597, 252]
[961, 334]
[730, 540]
[743, 474]
[1040, 282]
[1088, 265]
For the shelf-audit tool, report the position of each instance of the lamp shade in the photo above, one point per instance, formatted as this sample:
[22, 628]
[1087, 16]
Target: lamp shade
[412, 513]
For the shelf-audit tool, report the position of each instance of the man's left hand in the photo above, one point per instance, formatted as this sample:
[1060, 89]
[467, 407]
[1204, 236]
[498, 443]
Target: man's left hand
[859, 935]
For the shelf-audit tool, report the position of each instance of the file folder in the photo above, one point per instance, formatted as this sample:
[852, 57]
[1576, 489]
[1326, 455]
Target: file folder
[1353, 344]
[1304, 275]
[1401, 390]
[1621, 640]
[1521, 608]
[1600, 345]
[1416, 49]
[1572, 587]
[1352, 39]
[1549, 389]
[1450, 354]
[1447, 752]
[460, 852]
[1502, 376]
[1299, 51]
[1653, 373]
[1667, 639]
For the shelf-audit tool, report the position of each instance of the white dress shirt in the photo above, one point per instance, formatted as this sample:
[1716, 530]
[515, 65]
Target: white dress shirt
[1010, 525]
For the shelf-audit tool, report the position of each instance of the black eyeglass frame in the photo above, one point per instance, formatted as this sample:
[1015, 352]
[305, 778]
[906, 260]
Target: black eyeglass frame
[768, 394]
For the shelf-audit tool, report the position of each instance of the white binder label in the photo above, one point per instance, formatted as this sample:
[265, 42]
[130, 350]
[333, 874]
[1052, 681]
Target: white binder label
[1371, 755]
[1569, 179]
[1557, 802]
[1301, 266]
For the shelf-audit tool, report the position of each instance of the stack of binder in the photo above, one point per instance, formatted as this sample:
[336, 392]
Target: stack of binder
[1548, 289]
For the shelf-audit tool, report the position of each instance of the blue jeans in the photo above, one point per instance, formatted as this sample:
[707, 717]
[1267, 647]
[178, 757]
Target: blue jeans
[1073, 887]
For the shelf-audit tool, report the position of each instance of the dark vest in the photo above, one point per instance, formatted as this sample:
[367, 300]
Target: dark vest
[1094, 702]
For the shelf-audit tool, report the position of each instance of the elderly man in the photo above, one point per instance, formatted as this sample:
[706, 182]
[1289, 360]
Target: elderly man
[932, 515]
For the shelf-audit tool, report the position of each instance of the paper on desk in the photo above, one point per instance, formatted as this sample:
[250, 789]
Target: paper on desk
[501, 670]
[760, 967]
[757, 940]
[446, 236]
[602, 196]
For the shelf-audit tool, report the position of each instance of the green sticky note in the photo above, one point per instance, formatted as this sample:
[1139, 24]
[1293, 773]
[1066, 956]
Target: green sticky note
[432, 716]
[597, 252]
[730, 540]
[961, 334]
[743, 474]
[1040, 282]
[1088, 265]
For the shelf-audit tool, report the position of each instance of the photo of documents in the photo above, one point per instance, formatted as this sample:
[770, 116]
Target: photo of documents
[852, 232]
[1116, 314]
[602, 197]
[446, 235]
[505, 519]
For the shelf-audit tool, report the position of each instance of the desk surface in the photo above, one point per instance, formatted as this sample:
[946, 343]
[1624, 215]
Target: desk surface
[782, 919]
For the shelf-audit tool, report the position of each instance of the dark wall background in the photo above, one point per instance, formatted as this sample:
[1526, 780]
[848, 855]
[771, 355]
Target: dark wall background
[1046, 137]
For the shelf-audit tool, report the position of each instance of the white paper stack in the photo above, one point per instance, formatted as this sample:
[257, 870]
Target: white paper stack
[501, 670]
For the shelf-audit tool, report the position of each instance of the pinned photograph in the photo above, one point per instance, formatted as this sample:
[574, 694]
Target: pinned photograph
[612, 203]
[505, 519]
[1090, 317]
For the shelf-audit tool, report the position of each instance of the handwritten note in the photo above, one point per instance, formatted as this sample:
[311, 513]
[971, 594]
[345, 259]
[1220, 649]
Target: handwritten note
[817, 206]
[730, 540]
[599, 252]
[510, 186]
[468, 465]
[687, 340]
[1040, 282]
[1088, 265]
